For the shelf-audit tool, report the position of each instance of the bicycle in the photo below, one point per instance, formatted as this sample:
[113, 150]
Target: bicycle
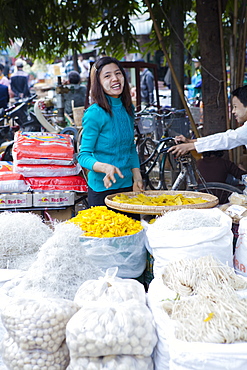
[155, 173]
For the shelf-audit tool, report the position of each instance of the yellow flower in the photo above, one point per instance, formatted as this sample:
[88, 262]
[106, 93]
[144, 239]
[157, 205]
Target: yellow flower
[100, 222]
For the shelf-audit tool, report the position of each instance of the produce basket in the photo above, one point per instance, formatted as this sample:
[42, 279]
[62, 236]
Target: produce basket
[211, 201]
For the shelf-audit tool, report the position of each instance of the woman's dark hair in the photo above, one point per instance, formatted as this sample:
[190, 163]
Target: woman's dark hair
[97, 93]
[241, 94]
[1, 67]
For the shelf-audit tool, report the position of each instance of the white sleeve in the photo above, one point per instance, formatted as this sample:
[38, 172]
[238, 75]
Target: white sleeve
[223, 140]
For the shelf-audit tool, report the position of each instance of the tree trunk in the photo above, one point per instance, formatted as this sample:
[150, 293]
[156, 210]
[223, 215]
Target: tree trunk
[213, 95]
[177, 51]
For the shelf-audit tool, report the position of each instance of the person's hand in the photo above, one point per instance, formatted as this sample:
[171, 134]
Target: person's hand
[181, 149]
[138, 186]
[109, 178]
[181, 139]
[137, 180]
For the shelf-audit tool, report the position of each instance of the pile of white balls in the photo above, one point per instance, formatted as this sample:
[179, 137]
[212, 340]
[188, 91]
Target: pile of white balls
[112, 363]
[36, 333]
[114, 330]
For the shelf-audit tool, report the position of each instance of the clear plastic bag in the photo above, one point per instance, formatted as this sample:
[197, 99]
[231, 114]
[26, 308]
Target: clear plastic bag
[102, 329]
[38, 324]
[112, 363]
[110, 288]
[16, 358]
[128, 253]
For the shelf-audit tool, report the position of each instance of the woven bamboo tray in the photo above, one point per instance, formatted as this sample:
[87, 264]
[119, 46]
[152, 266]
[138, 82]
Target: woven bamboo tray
[212, 201]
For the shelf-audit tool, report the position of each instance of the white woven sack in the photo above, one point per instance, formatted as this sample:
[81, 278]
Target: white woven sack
[170, 245]
[240, 257]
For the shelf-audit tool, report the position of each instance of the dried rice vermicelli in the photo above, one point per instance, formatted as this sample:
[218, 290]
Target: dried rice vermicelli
[189, 276]
[185, 219]
[207, 307]
[60, 268]
[216, 317]
[21, 236]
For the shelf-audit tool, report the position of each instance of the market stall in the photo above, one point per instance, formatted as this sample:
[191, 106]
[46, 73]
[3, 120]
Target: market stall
[83, 277]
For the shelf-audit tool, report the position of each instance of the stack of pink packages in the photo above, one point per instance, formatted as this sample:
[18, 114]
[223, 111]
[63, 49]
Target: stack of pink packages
[47, 161]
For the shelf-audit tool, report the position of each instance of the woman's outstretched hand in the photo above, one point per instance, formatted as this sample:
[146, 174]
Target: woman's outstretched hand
[109, 178]
[109, 171]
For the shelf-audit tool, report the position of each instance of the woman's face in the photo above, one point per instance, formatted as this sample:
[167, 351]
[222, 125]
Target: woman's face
[112, 80]
[239, 110]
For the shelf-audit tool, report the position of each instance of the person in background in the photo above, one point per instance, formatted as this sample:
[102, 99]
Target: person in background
[3, 79]
[6, 70]
[69, 66]
[77, 92]
[147, 85]
[84, 67]
[4, 96]
[214, 168]
[19, 83]
[107, 149]
[195, 87]
[223, 140]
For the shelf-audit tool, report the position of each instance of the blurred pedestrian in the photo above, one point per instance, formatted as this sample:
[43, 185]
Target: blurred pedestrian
[147, 85]
[4, 96]
[3, 79]
[195, 87]
[19, 81]
[84, 67]
[77, 92]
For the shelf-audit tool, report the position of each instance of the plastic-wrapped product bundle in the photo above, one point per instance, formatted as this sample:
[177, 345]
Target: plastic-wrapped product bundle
[104, 328]
[38, 324]
[112, 363]
[111, 289]
[43, 148]
[16, 358]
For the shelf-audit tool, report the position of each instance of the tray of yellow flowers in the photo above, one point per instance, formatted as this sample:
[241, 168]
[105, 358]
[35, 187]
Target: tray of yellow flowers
[158, 202]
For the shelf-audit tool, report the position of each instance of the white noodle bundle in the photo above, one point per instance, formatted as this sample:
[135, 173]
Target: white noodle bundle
[21, 236]
[189, 276]
[184, 219]
[218, 317]
[61, 266]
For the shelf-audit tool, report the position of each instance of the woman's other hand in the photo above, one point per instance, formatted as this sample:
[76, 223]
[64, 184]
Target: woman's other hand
[137, 180]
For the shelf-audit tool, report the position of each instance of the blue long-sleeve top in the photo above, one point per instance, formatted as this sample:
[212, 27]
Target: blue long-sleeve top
[108, 139]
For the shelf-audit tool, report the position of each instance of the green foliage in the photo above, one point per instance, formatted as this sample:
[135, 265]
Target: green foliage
[50, 28]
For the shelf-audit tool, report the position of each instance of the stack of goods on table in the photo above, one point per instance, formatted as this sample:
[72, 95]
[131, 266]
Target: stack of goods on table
[14, 189]
[47, 161]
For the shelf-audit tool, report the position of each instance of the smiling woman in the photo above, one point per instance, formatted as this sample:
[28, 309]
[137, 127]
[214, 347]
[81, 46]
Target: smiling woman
[107, 149]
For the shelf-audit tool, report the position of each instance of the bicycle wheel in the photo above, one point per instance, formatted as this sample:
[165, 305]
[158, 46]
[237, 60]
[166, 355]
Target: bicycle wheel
[151, 168]
[220, 190]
